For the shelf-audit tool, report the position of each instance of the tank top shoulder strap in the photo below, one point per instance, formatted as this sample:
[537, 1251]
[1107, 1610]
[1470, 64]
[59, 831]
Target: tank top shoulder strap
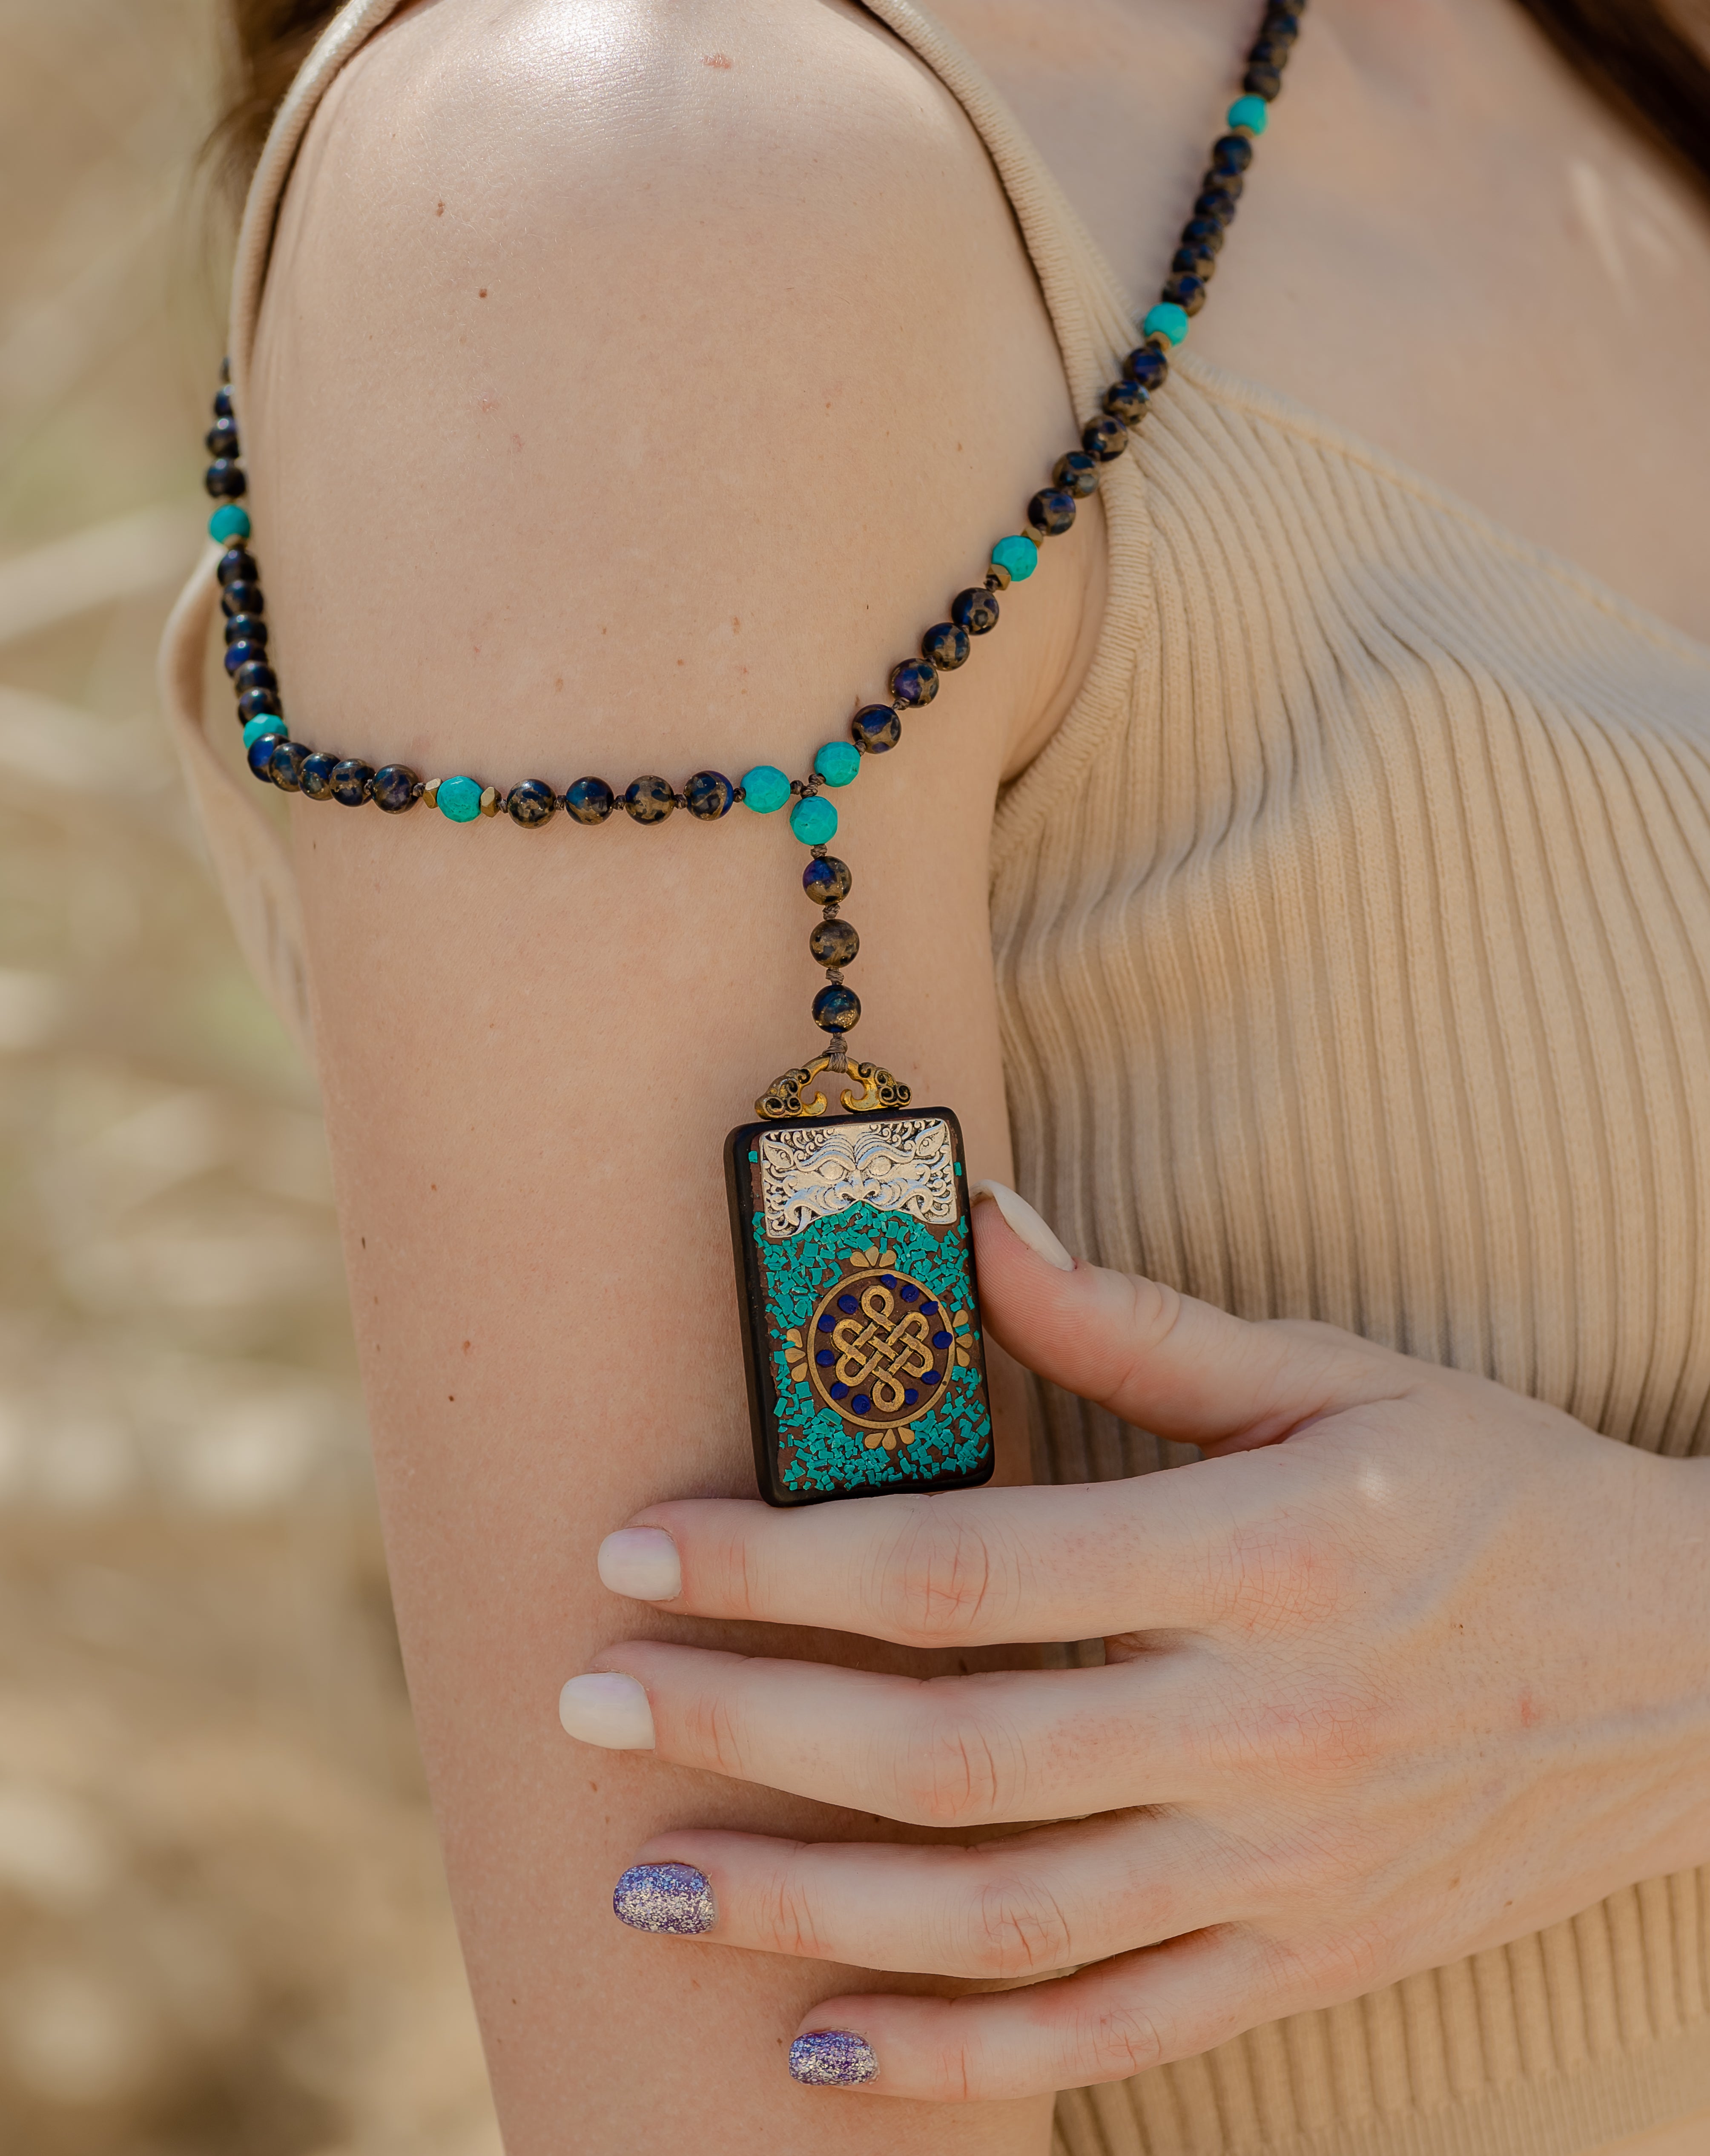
[250, 860]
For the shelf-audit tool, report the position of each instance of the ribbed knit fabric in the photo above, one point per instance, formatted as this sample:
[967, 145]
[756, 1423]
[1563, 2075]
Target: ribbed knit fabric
[1353, 940]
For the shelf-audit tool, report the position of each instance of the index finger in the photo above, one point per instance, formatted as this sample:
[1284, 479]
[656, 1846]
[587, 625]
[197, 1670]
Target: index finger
[974, 1567]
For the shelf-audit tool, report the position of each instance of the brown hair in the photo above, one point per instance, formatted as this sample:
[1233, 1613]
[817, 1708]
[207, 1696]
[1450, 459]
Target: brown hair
[1646, 59]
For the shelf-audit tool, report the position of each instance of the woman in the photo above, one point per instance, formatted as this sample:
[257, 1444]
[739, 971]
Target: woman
[1311, 882]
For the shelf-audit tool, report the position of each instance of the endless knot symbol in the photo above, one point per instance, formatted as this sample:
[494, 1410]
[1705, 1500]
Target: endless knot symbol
[873, 1348]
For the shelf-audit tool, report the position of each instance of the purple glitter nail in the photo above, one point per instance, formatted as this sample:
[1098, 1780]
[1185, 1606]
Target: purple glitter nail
[832, 2058]
[665, 1898]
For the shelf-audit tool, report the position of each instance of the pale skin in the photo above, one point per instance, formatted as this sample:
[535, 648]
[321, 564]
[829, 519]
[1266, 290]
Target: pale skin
[647, 451]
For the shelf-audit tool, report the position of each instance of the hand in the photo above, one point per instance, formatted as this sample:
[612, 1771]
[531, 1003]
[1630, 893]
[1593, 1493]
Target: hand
[1409, 1666]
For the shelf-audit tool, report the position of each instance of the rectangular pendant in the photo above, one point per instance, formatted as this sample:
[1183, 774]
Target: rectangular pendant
[861, 1334]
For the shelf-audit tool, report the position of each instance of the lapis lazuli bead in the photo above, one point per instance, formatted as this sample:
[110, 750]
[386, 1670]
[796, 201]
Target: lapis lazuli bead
[224, 479]
[813, 819]
[837, 1010]
[236, 565]
[239, 596]
[246, 628]
[222, 402]
[259, 755]
[1187, 293]
[222, 437]
[228, 523]
[258, 704]
[914, 681]
[1077, 473]
[827, 880]
[532, 803]
[256, 674]
[945, 646]
[393, 789]
[1126, 401]
[1166, 319]
[589, 800]
[1104, 438]
[709, 795]
[874, 728]
[286, 769]
[257, 728]
[649, 800]
[1230, 154]
[765, 788]
[1052, 509]
[1249, 112]
[975, 610]
[1148, 366]
[833, 943]
[460, 799]
[1205, 232]
[1018, 554]
[316, 776]
[838, 762]
[246, 654]
[350, 780]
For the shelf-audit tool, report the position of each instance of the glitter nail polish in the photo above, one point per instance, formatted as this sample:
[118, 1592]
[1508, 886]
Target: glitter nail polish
[832, 2058]
[665, 1898]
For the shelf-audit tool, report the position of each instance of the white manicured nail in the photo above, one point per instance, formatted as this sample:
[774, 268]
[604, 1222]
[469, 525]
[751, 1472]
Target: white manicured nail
[1020, 1216]
[642, 1563]
[606, 1709]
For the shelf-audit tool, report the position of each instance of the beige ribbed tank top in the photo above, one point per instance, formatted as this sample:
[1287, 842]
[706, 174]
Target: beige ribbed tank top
[1353, 941]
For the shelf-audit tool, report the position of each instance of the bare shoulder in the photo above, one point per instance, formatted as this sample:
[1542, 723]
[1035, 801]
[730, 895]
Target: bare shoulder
[639, 278]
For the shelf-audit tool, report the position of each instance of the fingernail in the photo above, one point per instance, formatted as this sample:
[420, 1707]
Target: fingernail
[665, 1898]
[606, 1709]
[1020, 1216]
[642, 1563]
[832, 2058]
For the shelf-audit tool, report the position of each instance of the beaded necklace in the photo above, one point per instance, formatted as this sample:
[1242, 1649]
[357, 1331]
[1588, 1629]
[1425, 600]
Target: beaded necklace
[863, 1348]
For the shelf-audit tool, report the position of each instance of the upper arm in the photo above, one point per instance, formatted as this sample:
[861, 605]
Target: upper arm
[619, 410]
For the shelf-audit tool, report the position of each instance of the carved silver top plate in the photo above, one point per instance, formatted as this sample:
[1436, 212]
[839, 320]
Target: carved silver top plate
[807, 1174]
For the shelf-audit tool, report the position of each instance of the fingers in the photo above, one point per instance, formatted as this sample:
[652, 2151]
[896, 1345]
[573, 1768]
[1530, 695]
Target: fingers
[962, 1568]
[1104, 2024]
[955, 1752]
[1163, 1360]
[1016, 1908]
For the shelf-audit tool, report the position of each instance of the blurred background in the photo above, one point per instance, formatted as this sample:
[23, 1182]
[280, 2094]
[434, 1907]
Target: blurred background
[223, 1923]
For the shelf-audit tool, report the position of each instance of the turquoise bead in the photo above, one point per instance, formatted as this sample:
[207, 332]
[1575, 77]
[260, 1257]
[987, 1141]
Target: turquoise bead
[461, 799]
[838, 762]
[1018, 554]
[1250, 112]
[274, 725]
[765, 788]
[228, 523]
[1166, 319]
[813, 819]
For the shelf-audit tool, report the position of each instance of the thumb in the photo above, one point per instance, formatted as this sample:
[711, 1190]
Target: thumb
[1156, 1358]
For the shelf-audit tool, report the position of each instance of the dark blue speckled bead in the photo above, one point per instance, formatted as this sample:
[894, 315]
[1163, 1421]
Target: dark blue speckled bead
[315, 777]
[1077, 473]
[258, 704]
[1187, 293]
[833, 943]
[826, 880]
[709, 795]
[394, 788]
[350, 782]
[975, 610]
[915, 681]
[247, 654]
[222, 402]
[1262, 80]
[224, 480]
[222, 439]
[1190, 261]
[286, 769]
[246, 628]
[257, 674]
[531, 804]
[874, 728]
[1230, 154]
[1126, 401]
[1148, 366]
[589, 800]
[1052, 511]
[1205, 232]
[1104, 438]
[260, 755]
[239, 598]
[649, 800]
[236, 565]
[1218, 199]
[837, 1010]
[946, 647]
